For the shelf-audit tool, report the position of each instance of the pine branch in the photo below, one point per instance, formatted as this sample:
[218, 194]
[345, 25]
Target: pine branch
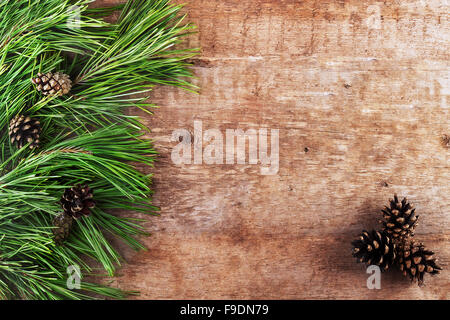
[85, 138]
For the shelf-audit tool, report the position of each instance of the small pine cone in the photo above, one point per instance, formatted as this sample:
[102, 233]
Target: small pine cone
[24, 129]
[52, 84]
[414, 261]
[374, 248]
[400, 219]
[77, 201]
[63, 223]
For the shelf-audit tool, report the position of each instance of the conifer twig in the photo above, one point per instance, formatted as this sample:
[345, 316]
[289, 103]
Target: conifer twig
[85, 135]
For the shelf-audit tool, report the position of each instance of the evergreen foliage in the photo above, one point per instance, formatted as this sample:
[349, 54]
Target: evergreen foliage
[86, 137]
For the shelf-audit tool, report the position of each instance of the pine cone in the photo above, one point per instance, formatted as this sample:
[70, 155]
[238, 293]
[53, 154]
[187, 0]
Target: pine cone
[415, 261]
[400, 219]
[374, 248]
[77, 201]
[52, 84]
[63, 223]
[24, 129]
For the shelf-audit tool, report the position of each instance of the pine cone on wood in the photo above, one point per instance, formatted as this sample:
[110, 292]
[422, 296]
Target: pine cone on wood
[375, 248]
[400, 219]
[414, 261]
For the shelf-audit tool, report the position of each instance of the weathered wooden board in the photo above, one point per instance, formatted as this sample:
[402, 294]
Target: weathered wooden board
[359, 91]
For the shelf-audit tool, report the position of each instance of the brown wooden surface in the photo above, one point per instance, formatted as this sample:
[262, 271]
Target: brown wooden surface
[369, 103]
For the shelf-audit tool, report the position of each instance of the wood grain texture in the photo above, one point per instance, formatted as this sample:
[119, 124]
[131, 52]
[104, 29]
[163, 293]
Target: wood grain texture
[359, 91]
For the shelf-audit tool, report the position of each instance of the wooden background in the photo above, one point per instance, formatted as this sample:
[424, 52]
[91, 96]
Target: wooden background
[359, 91]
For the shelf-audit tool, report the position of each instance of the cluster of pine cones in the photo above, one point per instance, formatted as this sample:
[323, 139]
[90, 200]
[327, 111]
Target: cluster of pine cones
[25, 129]
[77, 201]
[393, 245]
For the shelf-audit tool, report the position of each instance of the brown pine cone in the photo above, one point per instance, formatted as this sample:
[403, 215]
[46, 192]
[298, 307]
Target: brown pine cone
[63, 223]
[24, 129]
[53, 84]
[400, 219]
[414, 260]
[374, 248]
[77, 201]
